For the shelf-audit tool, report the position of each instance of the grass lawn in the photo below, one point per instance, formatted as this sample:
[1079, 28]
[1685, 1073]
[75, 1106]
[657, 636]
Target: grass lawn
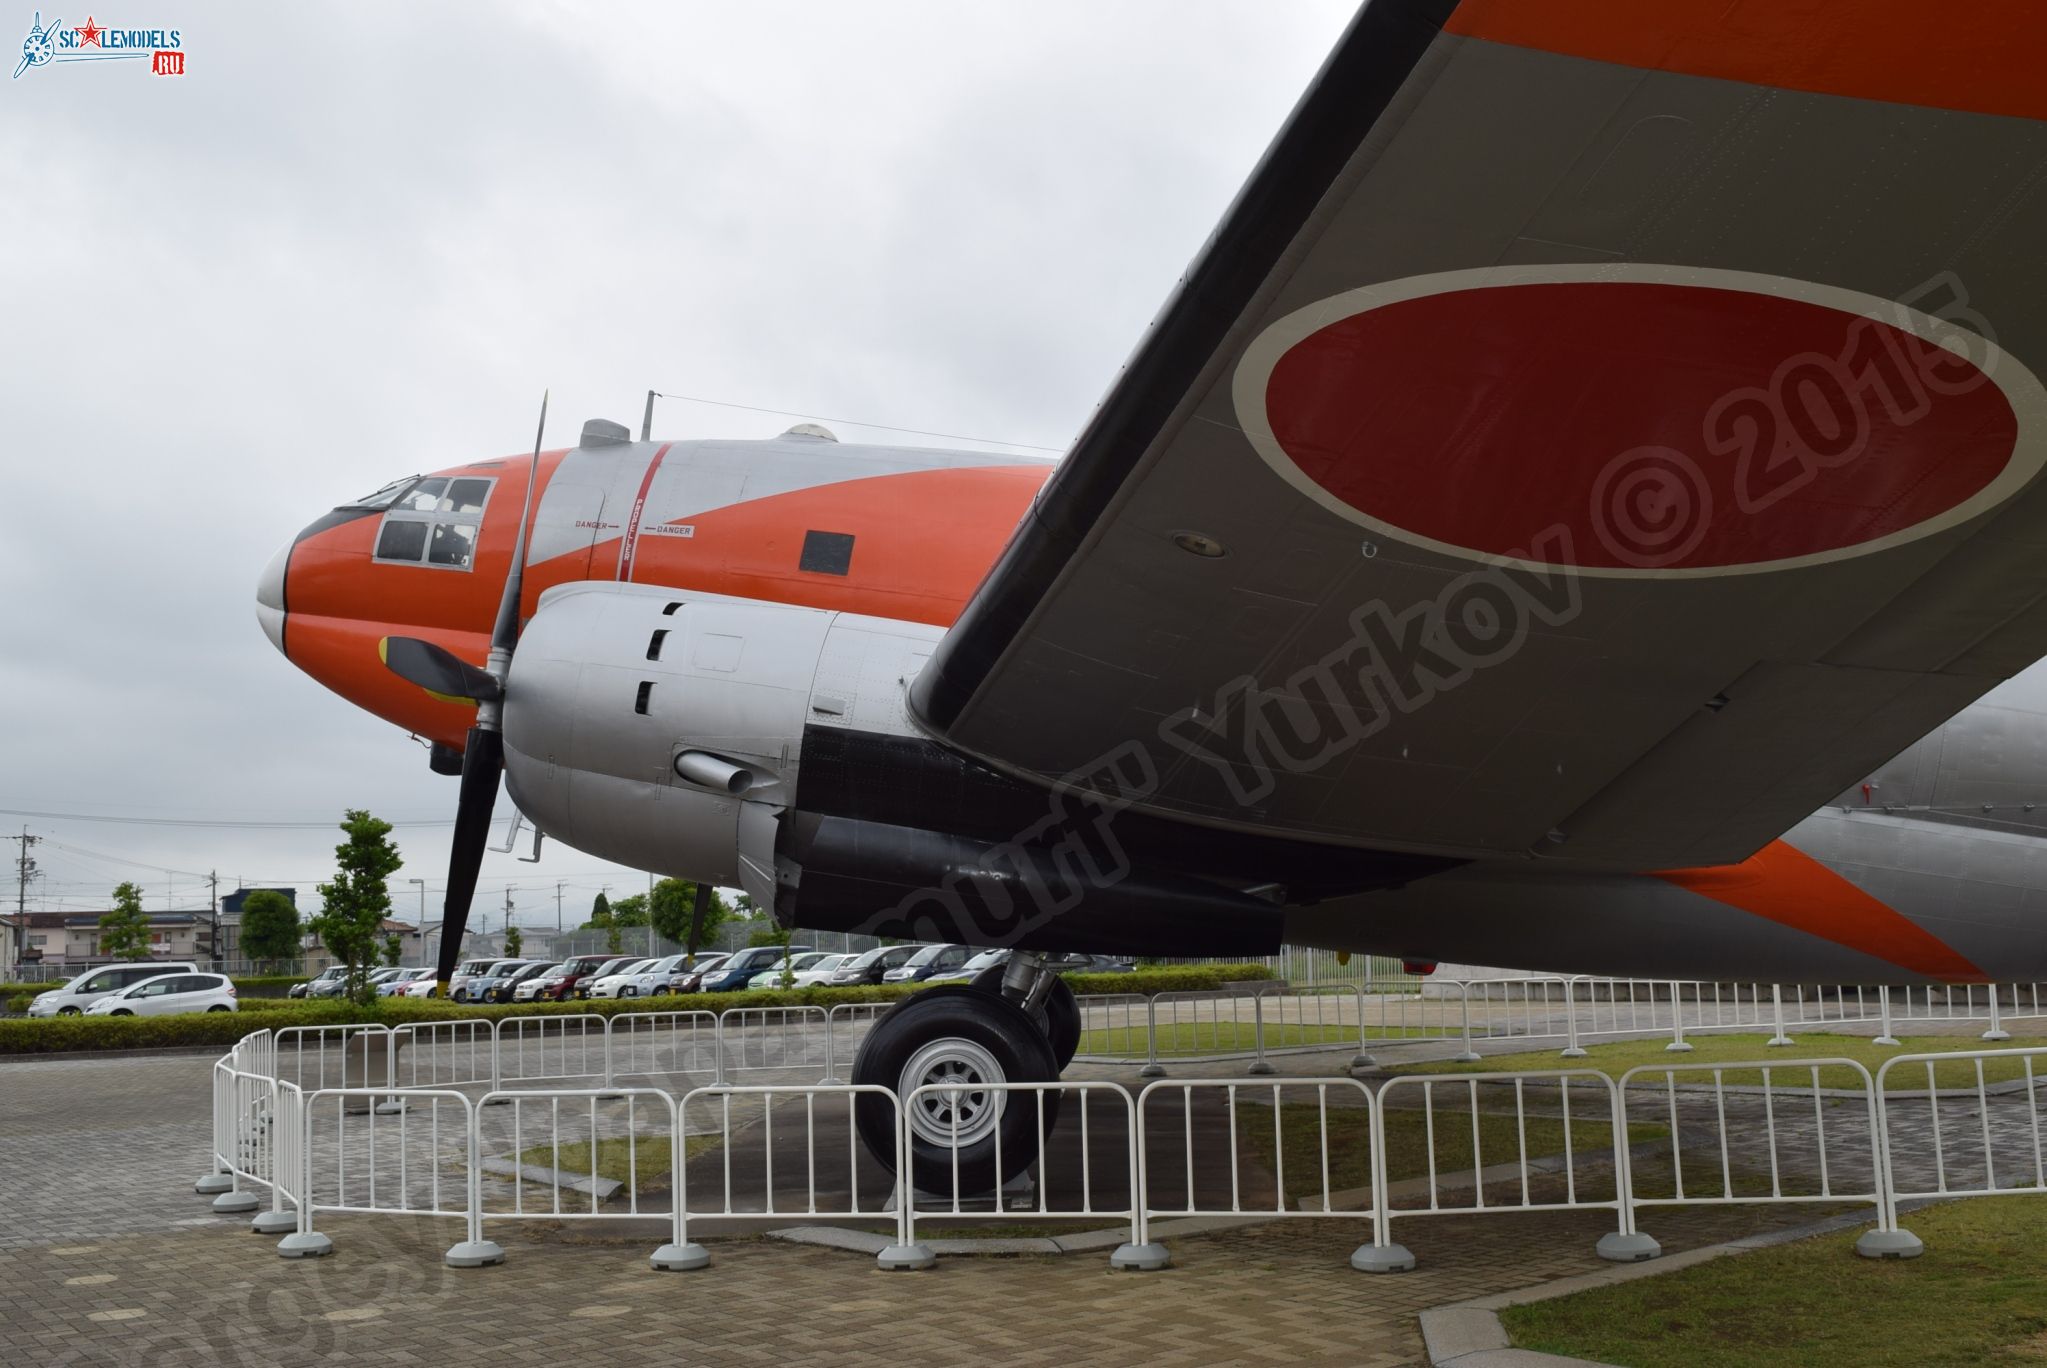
[1975, 1297]
[1618, 1057]
[1407, 1141]
[1230, 1037]
[645, 1156]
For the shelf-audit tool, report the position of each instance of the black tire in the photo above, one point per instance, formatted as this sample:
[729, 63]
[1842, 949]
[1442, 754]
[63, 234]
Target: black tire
[982, 1024]
[1062, 1013]
[628, 991]
[120, 1011]
[70, 1011]
[216, 1007]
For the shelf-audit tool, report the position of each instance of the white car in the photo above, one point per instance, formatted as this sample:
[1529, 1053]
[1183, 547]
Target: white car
[169, 994]
[425, 986]
[614, 983]
[805, 970]
[646, 980]
[404, 981]
[94, 984]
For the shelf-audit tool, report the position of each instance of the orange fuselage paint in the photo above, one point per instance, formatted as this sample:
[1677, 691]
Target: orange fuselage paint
[1787, 886]
[923, 539]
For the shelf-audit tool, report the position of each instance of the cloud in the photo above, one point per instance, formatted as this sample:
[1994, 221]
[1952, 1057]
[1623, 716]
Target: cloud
[356, 241]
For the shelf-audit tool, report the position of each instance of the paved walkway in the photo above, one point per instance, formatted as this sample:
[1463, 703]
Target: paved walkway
[109, 1259]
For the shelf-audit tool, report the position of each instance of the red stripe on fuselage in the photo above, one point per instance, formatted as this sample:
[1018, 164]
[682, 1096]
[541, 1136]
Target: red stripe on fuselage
[629, 545]
[1787, 886]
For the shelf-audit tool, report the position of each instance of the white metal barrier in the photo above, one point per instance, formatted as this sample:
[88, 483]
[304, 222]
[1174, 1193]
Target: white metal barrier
[1960, 1123]
[1505, 1175]
[1063, 1182]
[1795, 1144]
[1314, 1195]
[774, 1040]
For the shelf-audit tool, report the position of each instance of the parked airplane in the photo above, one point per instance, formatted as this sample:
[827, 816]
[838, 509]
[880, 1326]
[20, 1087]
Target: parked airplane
[1598, 443]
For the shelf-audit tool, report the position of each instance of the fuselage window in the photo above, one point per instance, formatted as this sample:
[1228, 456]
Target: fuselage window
[436, 523]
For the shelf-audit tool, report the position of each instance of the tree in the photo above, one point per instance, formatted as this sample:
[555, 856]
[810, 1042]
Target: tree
[675, 900]
[513, 940]
[630, 910]
[355, 903]
[600, 914]
[394, 950]
[124, 932]
[270, 926]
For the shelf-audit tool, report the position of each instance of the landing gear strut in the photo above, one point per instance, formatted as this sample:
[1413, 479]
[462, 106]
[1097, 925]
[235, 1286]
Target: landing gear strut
[1015, 1023]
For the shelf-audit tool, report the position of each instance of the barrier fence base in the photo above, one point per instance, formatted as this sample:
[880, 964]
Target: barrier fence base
[1889, 1244]
[680, 1258]
[393, 1107]
[1152, 1071]
[1260, 1067]
[209, 1184]
[1779, 1042]
[1362, 1060]
[1465, 1057]
[236, 1203]
[474, 1254]
[1386, 1258]
[906, 1258]
[1140, 1258]
[1679, 1047]
[1615, 1247]
[274, 1222]
[1571, 1052]
[305, 1244]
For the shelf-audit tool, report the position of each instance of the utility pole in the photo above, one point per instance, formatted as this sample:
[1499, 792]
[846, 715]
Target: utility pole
[25, 868]
[213, 901]
[557, 909]
[650, 914]
[508, 907]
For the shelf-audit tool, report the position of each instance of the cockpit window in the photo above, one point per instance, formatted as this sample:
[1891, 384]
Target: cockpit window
[383, 497]
[435, 523]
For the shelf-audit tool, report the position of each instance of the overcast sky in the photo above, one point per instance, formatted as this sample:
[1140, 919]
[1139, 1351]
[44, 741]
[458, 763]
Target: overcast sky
[356, 241]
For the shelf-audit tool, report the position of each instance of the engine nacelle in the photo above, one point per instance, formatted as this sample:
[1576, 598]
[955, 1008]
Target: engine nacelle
[664, 729]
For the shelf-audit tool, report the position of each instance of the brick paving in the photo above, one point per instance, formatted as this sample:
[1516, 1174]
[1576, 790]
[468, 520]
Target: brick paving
[109, 1259]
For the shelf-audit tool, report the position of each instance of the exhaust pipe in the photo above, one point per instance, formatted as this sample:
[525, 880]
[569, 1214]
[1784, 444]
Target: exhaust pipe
[707, 770]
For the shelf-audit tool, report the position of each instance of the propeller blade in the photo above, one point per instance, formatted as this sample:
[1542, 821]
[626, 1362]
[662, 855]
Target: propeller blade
[696, 924]
[482, 758]
[435, 669]
[506, 634]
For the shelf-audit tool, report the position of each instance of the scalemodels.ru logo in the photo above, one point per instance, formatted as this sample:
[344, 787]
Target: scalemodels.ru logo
[92, 42]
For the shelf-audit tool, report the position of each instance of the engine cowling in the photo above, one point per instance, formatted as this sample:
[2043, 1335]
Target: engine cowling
[663, 729]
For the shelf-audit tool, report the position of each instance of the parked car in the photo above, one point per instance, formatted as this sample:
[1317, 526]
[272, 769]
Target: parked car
[870, 965]
[688, 980]
[804, 970]
[607, 985]
[644, 980]
[987, 959]
[92, 985]
[299, 990]
[736, 972]
[932, 959]
[495, 984]
[607, 968]
[425, 986]
[539, 987]
[169, 994]
[467, 984]
[559, 983]
[394, 987]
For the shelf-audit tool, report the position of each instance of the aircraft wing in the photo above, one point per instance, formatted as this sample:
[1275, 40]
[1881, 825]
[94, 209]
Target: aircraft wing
[1598, 430]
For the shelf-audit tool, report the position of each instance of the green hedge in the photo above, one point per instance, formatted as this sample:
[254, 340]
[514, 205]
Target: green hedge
[61, 1035]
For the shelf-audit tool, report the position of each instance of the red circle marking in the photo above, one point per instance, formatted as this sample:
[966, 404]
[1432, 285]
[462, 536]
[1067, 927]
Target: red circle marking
[1484, 418]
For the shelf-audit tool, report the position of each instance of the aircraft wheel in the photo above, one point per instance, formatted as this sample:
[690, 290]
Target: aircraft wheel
[960, 1037]
[1062, 1013]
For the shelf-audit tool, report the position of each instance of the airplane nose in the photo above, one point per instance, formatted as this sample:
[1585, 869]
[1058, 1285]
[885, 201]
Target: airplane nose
[270, 596]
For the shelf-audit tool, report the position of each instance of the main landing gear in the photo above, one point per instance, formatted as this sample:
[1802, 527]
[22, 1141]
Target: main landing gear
[1014, 1023]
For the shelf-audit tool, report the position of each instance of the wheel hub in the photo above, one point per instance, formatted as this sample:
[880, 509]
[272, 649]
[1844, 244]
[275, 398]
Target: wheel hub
[961, 1107]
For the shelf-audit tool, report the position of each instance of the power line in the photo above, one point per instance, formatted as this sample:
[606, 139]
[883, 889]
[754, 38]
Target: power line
[221, 823]
[855, 422]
